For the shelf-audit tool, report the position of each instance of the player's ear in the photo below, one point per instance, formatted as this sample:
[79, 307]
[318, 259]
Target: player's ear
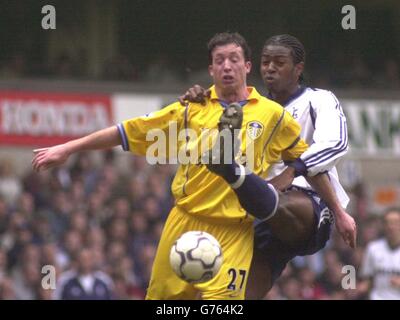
[299, 69]
[210, 70]
[248, 66]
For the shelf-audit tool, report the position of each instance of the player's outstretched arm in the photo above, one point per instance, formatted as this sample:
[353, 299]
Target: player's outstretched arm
[345, 224]
[46, 158]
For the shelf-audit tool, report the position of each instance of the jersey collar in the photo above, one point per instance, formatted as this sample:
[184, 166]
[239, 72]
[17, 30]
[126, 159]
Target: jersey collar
[253, 96]
[294, 96]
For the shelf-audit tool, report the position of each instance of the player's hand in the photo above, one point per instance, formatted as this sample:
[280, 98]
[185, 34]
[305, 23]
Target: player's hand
[195, 94]
[284, 180]
[46, 158]
[347, 228]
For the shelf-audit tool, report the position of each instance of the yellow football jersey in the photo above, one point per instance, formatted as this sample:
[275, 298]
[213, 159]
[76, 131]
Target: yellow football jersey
[268, 129]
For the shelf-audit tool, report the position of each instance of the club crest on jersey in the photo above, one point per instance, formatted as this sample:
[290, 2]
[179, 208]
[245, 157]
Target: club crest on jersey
[254, 129]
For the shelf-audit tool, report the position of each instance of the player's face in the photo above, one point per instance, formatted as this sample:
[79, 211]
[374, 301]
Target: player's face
[86, 261]
[278, 70]
[391, 225]
[229, 68]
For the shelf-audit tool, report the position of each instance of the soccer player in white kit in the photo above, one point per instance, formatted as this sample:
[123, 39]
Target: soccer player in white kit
[381, 263]
[302, 222]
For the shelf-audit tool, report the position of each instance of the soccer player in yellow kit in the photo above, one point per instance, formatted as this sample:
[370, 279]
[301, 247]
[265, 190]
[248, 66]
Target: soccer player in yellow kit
[203, 200]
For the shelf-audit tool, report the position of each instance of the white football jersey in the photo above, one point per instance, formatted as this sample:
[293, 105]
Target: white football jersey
[380, 264]
[324, 128]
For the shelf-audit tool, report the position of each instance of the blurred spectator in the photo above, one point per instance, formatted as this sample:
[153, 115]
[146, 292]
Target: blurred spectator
[7, 291]
[44, 294]
[140, 237]
[65, 67]
[118, 230]
[390, 76]
[3, 264]
[78, 195]
[4, 217]
[8, 237]
[119, 68]
[78, 221]
[291, 289]
[274, 294]
[39, 187]
[25, 205]
[137, 191]
[360, 76]
[20, 239]
[369, 231]
[152, 209]
[73, 242]
[97, 211]
[331, 279]
[83, 282]
[10, 185]
[127, 284]
[59, 212]
[147, 254]
[121, 208]
[310, 289]
[51, 255]
[99, 258]
[116, 251]
[381, 265]
[160, 71]
[26, 274]
[95, 238]
[15, 67]
[84, 170]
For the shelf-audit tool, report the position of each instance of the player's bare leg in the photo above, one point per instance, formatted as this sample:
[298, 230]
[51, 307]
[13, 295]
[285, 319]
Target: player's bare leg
[260, 278]
[294, 219]
[292, 224]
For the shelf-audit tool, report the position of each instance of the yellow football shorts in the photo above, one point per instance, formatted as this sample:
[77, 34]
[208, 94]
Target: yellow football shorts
[236, 239]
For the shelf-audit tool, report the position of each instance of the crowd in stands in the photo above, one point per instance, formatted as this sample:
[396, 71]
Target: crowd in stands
[94, 222]
[162, 70]
[49, 218]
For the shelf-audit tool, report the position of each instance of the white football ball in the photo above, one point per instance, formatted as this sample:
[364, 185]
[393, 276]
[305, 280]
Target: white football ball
[196, 256]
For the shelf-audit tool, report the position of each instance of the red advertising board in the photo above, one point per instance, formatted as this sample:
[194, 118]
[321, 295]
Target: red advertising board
[44, 119]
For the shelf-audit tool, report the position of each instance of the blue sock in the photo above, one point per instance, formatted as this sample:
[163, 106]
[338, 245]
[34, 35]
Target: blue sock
[256, 196]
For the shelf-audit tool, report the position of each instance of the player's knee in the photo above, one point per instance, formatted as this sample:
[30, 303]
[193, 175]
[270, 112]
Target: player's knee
[257, 197]
[266, 207]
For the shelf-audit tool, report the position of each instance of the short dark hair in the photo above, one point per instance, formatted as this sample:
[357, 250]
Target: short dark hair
[224, 38]
[292, 43]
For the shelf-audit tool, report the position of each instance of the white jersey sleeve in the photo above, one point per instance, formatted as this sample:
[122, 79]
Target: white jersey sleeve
[330, 141]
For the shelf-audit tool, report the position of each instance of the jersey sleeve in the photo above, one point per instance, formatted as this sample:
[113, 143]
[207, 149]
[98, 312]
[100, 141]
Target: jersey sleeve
[330, 135]
[155, 129]
[287, 140]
